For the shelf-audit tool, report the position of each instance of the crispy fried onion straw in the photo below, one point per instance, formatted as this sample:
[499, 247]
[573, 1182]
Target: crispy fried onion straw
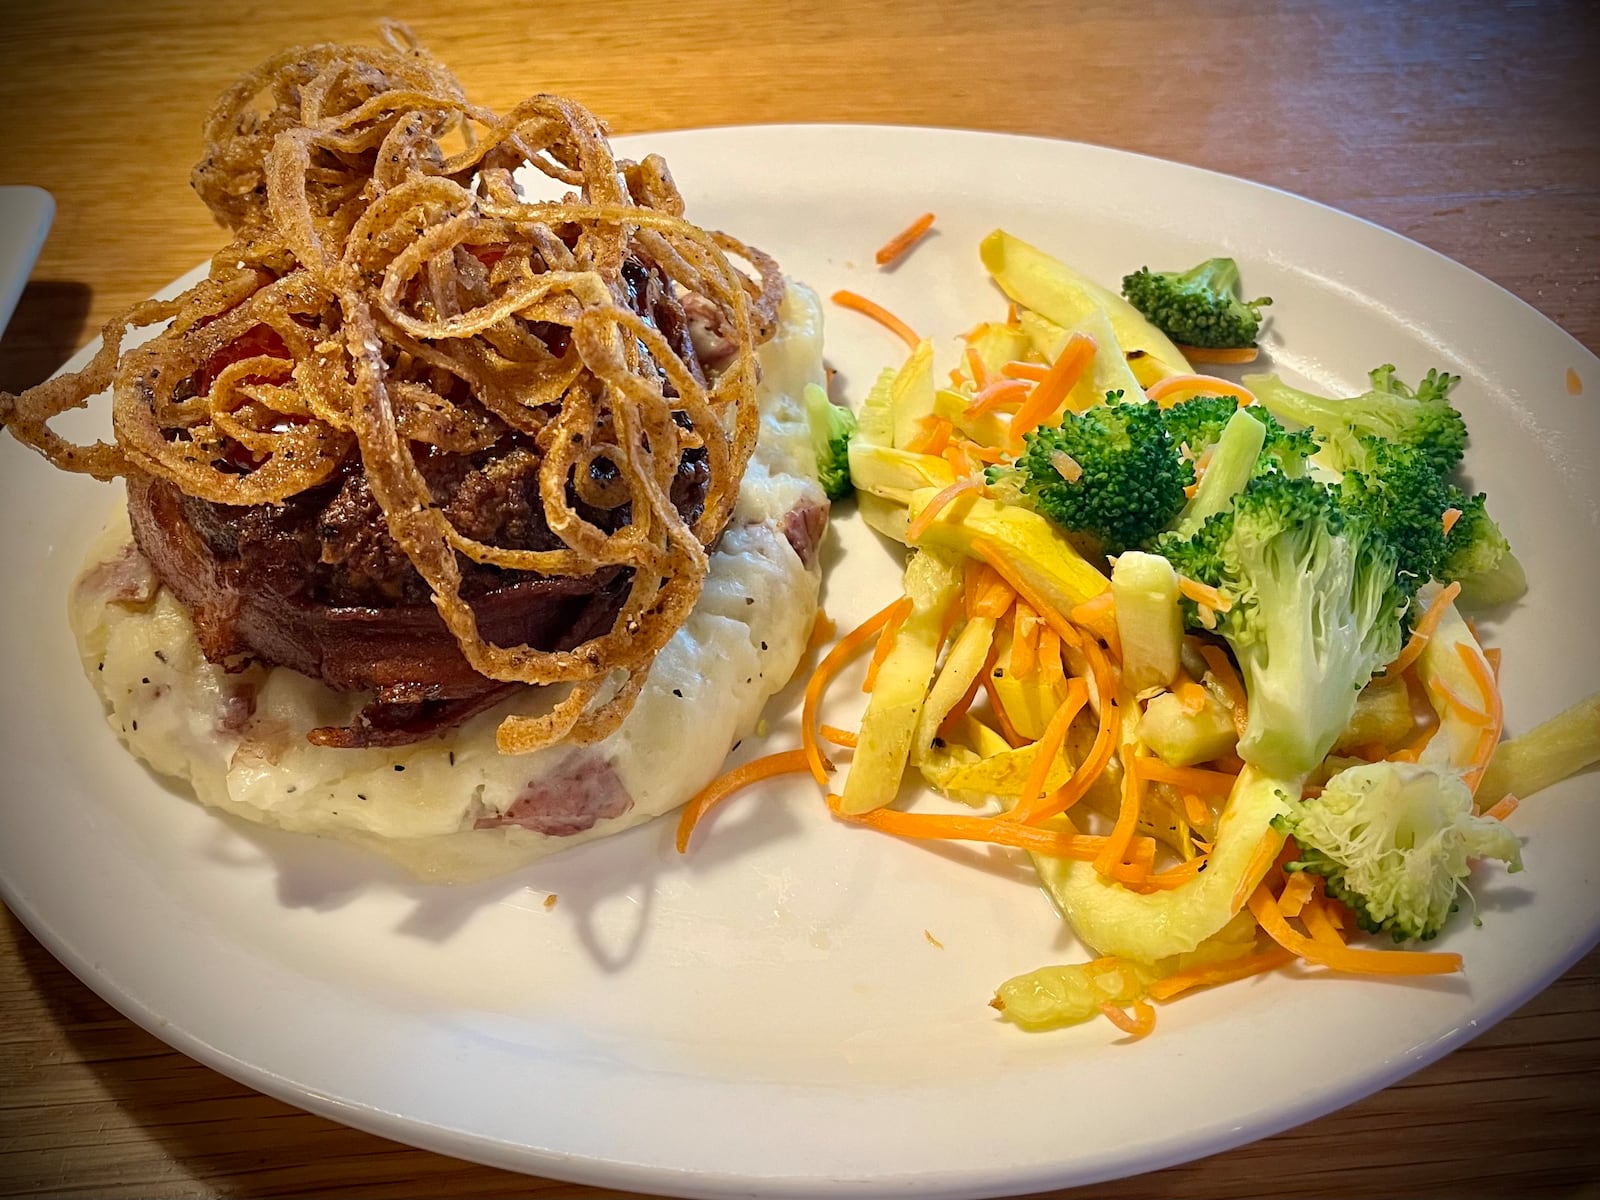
[390, 293]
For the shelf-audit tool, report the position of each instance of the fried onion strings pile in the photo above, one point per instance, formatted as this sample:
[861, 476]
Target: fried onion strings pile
[391, 295]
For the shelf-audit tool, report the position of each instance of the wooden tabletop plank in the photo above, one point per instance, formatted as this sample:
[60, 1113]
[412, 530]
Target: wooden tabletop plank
[1468, 126]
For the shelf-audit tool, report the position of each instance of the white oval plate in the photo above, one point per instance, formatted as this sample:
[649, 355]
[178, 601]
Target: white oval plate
[796, 1007]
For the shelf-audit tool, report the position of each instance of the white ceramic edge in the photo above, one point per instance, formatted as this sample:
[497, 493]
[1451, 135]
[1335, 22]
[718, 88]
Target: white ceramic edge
[1155, 1154]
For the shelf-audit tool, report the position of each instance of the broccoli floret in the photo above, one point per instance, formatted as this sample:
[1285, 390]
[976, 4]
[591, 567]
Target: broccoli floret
[1315, 610]
[832, 427]
[1111, 472]
[1477, 555]
[1197, 307]
[1422, 417]
[1396, 487]
[1393, 840]
[1198, 423]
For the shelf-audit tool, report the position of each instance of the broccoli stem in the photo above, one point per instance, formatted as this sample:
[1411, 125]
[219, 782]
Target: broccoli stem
[1233, 462]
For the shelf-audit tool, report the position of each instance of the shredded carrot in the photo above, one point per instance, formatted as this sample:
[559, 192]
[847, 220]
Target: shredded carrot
[936, 505]
[1034, 372]
[1013, 315]
[1224, 972]
[1319, 924]
[932, 437]
[1175, 877]
[1127, 823]
[1049, 743]
[992, 553]
[959, 827]
[1217, 354]
[1296, 891]
[891, 629]
[1451, 516]
[996, 598]
[1423, 630]
[1051, 671]
[1191, 696]
[1492, 653]
[901, 242]
[986, 454]
[1099, 616]
[822, 630]
[719, 789]
[848, 646]
[1007, 730]
[1430, 723]
[975, 577]
[1141, 1024]
[1506, 805]
[1099, 757]
[1204, 593]
[1025, 629]
[956, 455]
[1228, 679]
[1261, 860]
[1494, 717]
[1049, 392]
[996, 394]
[975, 368]
[1167, 392]
[867, 308]
[1462, 707]
[1195, 810]
[1110, 730]
[840, 737]
[1346, 958]
[1195, 779]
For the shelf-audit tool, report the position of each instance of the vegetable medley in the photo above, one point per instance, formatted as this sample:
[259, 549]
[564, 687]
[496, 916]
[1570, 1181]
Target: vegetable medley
[1194, 645]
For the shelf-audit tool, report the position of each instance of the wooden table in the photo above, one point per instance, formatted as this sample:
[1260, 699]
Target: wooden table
[1467, 126]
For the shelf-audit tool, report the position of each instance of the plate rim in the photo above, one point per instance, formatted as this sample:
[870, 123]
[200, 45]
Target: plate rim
[982, 1181]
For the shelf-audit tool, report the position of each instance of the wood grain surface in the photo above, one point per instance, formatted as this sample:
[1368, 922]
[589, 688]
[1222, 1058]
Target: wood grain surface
[1470, 127]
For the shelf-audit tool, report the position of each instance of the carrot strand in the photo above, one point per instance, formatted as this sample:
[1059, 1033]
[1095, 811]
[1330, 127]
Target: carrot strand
[1049, 392]
[1033, 372]
[786, 762]
[868, 308]
[1167, 392]
[897, 246]
[1217, 354]
[848, 646]
[1261, 860]
[1346, 958]
[1422, 631]
[1222, 668]
[891, 630]
[1141, 1024]
[1225, 972]
[1049, 743]
[937, 504]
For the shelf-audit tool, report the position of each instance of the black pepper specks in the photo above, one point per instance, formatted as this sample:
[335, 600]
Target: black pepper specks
[678, 693]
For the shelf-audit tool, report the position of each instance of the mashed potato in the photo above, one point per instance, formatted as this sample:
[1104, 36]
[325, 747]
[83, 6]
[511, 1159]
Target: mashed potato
[454, 808]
